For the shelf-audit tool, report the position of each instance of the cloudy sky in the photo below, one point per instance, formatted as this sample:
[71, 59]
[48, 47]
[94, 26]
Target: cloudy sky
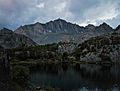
[14, 13]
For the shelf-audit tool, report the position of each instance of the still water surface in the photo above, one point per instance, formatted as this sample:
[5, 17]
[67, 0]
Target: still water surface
[78, 78]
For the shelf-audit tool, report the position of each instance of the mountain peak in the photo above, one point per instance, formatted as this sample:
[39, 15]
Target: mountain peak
[5, 30]
[104, 24]
[37, 23]
[59, 20]
[90, 26]
[103, 28]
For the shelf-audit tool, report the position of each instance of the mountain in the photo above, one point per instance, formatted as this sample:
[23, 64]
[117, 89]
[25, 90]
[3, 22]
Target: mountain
[9, 39]
[104, 48]
[56, 26]
[104, 28]
[61, 30]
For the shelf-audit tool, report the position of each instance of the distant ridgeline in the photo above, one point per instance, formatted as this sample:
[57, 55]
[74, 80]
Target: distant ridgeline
[4, 70]
[59, 39]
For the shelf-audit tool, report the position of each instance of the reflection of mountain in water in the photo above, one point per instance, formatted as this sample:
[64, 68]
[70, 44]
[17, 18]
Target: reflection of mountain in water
[72, 79]
[100, 76]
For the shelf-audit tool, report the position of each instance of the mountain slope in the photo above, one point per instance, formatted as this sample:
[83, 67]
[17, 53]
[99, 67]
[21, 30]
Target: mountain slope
[9, 39]
[104, 48]
[61, 30]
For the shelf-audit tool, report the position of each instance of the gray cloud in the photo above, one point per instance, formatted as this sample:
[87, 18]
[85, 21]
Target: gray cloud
[95, 12]
[14, 13]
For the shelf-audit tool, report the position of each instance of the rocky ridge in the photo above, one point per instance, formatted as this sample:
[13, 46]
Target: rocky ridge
[61, 30]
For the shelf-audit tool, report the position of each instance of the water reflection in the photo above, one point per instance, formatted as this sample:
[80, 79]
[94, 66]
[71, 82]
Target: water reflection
[78, 77]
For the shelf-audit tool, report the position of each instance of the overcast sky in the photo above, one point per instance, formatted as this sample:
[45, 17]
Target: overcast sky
[14, 13]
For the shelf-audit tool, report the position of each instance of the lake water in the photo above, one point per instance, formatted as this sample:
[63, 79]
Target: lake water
[78, 78]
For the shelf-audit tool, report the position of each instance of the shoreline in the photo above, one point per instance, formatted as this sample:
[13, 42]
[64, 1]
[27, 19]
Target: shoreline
[38, 62]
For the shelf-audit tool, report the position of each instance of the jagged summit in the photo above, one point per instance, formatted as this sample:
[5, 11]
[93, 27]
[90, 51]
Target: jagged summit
[90, 26]
[5, 30]
[37, 23]
[105, 25]
[60, 30]
[56, 26]
[59, 20]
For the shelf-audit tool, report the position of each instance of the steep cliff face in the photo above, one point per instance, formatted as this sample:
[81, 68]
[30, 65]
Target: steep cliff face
[61, 30]
[9, 39]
